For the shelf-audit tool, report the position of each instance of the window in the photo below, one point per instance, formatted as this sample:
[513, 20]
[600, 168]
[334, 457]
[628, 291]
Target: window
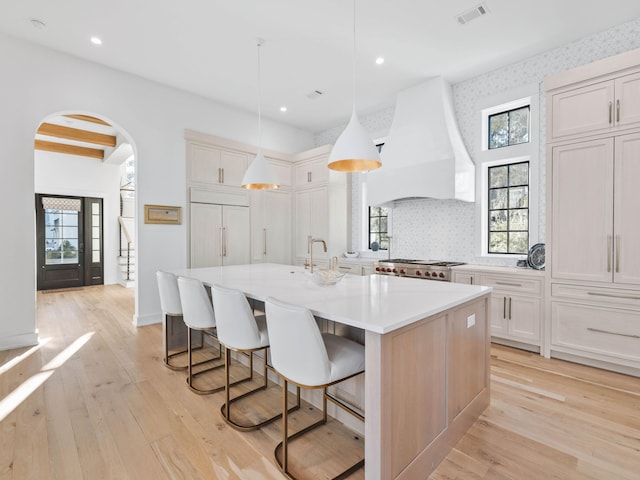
[509, 128]
[378, 227]
[508, 208]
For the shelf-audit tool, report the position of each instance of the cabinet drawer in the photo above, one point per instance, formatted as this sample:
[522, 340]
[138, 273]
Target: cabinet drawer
[599, 330]
[512, 283]
[594, 294]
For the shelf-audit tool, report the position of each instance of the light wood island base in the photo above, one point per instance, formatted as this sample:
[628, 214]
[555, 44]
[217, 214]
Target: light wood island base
[432, 385]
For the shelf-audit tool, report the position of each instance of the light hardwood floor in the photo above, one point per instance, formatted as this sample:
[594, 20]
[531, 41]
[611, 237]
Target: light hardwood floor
[94, 401]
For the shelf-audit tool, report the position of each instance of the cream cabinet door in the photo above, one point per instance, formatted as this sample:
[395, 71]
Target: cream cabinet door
[627, 210]
[219, 235]
[582, 211]
[498, 321]
[583, 110]
[272, 231]
[628, 100]
[524, 317]
[312, 172]
[232, 168]
[312, 218]
[236, 233]
[205, 235]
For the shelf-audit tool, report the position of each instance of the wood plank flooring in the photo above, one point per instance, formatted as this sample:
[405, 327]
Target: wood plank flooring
[94, 401]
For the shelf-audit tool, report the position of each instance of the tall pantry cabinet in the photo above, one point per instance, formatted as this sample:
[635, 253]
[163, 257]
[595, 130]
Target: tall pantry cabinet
[593, 224]
[321, 207]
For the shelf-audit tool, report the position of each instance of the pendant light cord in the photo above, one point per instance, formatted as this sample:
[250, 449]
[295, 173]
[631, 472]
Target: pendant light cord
[260, 42]
[353, 93]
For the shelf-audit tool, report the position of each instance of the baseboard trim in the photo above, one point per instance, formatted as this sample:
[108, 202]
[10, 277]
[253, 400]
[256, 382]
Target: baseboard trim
[149, 319]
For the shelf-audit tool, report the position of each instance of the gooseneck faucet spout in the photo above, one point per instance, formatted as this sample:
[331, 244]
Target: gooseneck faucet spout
[310, 242]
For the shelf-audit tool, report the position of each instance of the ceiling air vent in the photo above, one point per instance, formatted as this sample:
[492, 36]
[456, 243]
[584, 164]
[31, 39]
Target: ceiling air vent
[314, 94]
[475, 12]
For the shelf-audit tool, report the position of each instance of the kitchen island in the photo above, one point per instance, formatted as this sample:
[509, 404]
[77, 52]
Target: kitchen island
[426, 348]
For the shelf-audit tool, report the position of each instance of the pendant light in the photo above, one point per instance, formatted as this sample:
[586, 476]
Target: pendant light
[259, 176]
[354, 151]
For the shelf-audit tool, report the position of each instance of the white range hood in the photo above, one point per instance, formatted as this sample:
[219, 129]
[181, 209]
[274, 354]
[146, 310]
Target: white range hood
[423, 156]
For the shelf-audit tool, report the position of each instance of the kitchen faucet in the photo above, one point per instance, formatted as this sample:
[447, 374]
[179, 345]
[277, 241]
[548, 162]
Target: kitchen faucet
[310, 242]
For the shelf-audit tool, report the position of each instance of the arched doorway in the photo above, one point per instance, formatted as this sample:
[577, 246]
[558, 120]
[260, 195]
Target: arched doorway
[85, 202]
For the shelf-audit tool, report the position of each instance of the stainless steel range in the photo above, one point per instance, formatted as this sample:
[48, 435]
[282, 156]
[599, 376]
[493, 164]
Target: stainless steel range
[425, 269]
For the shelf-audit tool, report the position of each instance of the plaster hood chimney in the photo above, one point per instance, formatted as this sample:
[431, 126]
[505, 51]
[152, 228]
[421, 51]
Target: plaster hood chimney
[423, 156]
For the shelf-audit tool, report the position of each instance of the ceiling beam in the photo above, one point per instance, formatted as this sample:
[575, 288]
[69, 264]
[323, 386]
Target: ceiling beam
[69, 133]
[69, 149]
[87, 118]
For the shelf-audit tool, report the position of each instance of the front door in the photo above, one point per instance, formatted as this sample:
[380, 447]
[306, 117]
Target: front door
[69, 241]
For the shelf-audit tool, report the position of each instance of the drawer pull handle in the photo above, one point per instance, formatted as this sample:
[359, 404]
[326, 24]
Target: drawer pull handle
[630, 335]
[628, 297]
[509, 284]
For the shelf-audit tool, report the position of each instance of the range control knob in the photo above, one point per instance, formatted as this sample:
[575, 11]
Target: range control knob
[377, 269]
[441, 275]
[418, 273]
[434, 274]
[395, 271]
[402, 272]
[388, 270]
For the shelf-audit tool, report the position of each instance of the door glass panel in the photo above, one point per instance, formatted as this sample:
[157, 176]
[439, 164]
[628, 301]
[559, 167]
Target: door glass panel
[95, 232]
[61, 236]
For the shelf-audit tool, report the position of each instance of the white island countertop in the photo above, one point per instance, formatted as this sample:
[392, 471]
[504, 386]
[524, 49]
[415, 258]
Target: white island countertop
[375, 303]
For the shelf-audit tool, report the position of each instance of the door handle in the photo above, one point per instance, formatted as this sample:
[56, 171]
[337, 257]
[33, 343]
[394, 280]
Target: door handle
[264, 241]
[610, 112]
[509, 308]
[617, 253]
[219, 175]
[221, 242]
[224, 239]
[617, 110]
[608, 253]
[504, 307]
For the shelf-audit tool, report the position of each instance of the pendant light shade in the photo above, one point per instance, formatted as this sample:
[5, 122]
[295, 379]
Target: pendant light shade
[354, 150]
[259, 176]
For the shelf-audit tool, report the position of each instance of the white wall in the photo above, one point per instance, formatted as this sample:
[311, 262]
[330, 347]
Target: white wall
[59, 174]
[37, 82]
[449, 229]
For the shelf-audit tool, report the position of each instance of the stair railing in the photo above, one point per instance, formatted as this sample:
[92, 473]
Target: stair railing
[124, 230]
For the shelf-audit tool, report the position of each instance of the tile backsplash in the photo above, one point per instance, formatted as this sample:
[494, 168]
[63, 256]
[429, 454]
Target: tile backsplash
[449, 229]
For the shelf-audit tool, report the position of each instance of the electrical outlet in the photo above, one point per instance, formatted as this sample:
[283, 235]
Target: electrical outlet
[471, 320]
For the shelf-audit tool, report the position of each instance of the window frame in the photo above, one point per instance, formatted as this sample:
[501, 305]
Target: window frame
[508, 112]
[508, 208]
[369, 241]
[512, 99]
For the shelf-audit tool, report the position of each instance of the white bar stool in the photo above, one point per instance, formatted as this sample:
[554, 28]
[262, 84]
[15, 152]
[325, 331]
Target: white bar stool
[309, 359]
[198, 315]
[171, 307]
[240, 331]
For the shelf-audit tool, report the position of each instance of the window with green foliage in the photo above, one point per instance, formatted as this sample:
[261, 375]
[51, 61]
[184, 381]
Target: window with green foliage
[508, 208]
[509, 128]
[378, 227]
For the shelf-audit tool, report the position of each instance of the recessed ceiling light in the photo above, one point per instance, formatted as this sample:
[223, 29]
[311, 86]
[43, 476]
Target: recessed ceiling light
[39, 24]
[96, 41]
[379, 61]
[283, 109]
